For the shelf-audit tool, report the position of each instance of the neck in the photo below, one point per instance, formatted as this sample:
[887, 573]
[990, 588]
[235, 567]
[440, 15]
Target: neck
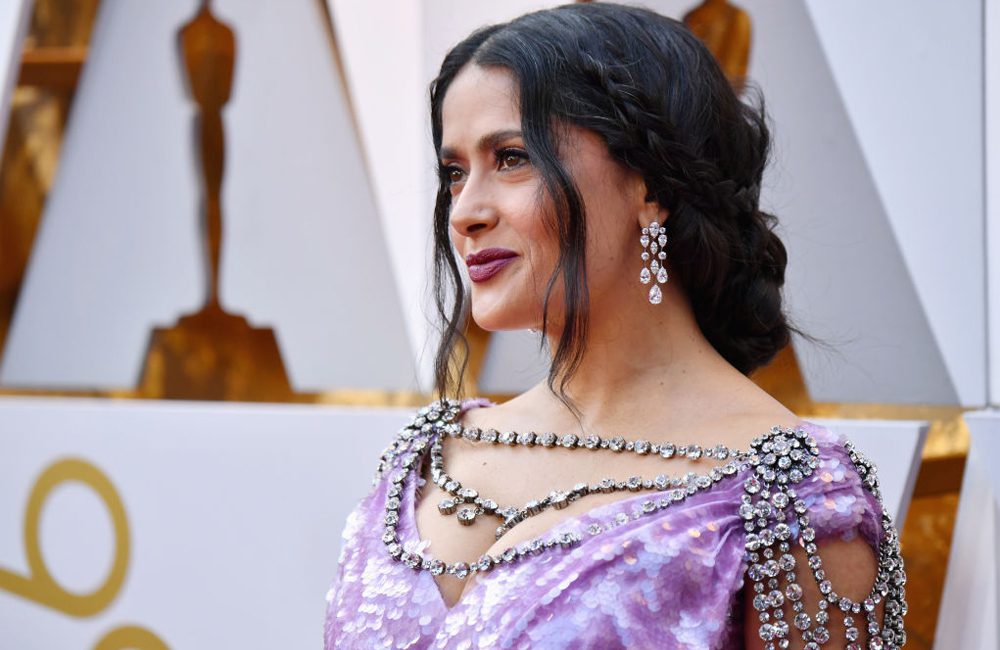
[641, 357]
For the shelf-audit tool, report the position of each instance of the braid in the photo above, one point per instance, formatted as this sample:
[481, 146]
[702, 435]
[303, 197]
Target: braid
[724, 249]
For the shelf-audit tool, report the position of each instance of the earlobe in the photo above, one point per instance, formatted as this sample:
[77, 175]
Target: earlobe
[652, 211]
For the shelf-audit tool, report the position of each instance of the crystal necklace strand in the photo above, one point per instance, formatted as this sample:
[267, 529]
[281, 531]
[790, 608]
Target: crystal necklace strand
[779, 460]
[511, 515]
[431, 422]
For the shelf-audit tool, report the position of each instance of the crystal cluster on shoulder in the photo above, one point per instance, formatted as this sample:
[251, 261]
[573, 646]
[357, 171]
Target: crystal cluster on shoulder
[769, 505]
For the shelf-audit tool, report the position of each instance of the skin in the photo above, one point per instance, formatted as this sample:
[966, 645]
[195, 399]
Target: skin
[648, 371]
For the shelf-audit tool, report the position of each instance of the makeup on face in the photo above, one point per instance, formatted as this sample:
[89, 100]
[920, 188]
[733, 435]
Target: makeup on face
[486, 263]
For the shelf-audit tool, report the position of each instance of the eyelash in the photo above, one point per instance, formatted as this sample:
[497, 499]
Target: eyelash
[501, 155]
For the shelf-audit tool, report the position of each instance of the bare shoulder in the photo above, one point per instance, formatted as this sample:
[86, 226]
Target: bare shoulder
[737, 427]
[732, 406]
[482, 415]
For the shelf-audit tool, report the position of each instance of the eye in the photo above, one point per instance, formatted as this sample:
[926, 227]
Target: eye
[511, 158]
[452, 174]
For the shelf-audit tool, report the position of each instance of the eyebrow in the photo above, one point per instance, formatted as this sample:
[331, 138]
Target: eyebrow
[485, 143]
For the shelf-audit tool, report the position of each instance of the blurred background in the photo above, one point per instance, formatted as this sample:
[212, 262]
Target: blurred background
[228, 204]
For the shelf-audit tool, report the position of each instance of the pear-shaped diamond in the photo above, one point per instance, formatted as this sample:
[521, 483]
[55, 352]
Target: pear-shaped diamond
[655, 295]
[644, 275]
[662, 239]
[654, 229]
[644, 240]
[661, 275]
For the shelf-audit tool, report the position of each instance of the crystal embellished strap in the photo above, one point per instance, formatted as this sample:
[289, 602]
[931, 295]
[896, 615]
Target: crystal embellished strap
[769, 502]
[592, 442]
[468, 503]
[414, 442]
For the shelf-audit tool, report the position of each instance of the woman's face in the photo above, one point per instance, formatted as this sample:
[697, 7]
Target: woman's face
[497, 201]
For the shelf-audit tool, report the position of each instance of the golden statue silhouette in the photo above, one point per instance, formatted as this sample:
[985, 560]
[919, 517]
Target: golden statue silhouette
[726, 30]
[212, 354]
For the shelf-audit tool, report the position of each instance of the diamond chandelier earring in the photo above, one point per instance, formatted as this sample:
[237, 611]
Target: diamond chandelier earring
[653, 240]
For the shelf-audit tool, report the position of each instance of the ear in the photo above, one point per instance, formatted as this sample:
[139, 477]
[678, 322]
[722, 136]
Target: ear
[649, 209]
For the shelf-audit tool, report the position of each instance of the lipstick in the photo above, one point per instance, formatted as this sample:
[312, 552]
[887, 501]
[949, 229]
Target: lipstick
[483, 272]
[488, 262]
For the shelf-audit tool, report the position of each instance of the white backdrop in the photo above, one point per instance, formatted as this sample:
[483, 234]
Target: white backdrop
[233, 513]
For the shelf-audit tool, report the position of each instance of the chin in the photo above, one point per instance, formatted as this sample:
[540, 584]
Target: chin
[496, 320]
[498, 311]
[489, 324]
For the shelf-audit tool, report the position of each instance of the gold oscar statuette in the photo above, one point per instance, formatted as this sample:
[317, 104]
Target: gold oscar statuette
[726, 30]
[212, 354]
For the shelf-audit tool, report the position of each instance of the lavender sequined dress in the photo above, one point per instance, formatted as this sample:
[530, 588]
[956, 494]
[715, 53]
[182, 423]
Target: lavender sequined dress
[639, 577]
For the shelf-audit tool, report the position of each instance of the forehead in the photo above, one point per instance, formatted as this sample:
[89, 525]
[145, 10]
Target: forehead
[479, 100]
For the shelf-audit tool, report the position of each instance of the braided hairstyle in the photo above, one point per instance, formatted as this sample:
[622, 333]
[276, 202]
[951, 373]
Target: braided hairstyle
[658, 98]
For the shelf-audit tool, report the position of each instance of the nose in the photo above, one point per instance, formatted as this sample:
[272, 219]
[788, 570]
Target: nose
[474, 209]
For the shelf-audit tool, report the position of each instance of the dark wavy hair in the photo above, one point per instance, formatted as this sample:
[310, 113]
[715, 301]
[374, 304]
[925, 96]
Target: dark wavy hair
[658, 98]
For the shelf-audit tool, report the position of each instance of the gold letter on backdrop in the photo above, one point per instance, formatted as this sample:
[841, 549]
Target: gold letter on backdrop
[130, 637]
[42, 588]
[39, 585]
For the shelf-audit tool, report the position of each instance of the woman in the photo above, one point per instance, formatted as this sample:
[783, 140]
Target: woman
[599, 178]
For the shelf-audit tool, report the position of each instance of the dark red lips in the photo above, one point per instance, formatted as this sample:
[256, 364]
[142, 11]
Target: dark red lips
[488, 255]
[486, 263]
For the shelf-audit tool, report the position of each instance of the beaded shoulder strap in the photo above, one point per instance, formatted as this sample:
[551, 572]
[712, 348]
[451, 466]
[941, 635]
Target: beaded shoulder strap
[769, 503]
[414, 437]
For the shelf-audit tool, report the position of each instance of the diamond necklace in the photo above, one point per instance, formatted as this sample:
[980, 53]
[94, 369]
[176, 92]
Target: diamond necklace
[435, 420]
[774, 516]
[467, 503]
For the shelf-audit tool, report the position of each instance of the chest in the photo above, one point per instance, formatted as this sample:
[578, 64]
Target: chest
[513, 477]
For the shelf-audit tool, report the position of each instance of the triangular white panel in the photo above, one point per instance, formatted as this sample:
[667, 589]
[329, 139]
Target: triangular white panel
[305, 247]
[916, 108]
[117, 250]
[380, 48]
[847, 281]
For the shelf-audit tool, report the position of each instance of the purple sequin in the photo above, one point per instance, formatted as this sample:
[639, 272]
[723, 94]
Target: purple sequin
[672, 578]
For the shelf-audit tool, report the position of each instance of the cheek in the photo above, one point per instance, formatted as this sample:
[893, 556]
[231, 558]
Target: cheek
[609, 228]
[540, 251]
[540, 243]
[613, 251]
